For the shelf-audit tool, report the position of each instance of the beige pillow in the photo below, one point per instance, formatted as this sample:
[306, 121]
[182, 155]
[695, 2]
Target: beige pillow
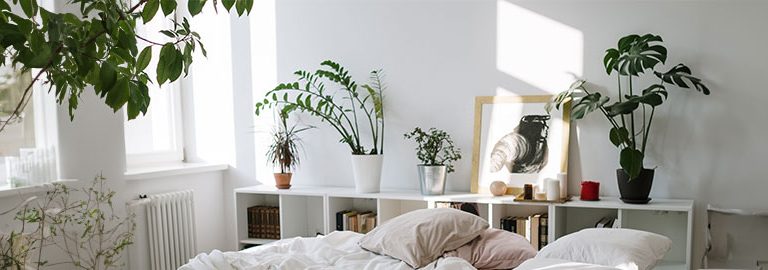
[495, 249]
[420, 237]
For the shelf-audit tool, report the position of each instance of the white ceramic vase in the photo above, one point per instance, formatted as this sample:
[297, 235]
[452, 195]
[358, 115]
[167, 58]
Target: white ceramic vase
[367, 172]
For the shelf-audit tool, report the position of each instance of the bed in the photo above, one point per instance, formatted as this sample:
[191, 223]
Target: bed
[447, 239]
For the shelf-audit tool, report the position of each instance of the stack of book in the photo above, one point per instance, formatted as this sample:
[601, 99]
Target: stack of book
[535, 228]
[264, 222]
[356, 221]
[463, 206]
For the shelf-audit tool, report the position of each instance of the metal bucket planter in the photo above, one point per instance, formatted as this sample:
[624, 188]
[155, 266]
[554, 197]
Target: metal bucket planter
[432, 179]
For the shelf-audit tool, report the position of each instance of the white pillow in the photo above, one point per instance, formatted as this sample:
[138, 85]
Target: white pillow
[621, 248]
[421, 236]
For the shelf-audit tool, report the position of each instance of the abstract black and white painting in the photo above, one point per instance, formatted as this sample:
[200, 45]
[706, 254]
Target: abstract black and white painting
[517, 141]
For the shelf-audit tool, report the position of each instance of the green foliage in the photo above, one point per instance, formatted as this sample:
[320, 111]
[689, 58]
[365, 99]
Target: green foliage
[339, 108]
[100, 50]
[284, 150]
[435, 147]
[632, 58]
[87, 230]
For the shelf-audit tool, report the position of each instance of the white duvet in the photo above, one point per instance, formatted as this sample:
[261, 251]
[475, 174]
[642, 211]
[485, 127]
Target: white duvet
[337, 250]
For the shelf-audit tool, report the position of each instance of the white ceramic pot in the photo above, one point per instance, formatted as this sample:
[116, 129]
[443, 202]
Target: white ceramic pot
[367, 172]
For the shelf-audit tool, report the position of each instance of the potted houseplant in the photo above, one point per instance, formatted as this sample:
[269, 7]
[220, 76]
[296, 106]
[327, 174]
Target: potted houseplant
[283, 153]
[437, 153]
[348, 109]
[631, 116]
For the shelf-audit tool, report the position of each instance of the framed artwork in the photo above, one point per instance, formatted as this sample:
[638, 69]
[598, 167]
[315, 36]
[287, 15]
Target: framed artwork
[516, 141]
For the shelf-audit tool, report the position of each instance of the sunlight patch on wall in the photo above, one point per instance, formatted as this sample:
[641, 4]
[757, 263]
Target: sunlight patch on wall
[537, 50]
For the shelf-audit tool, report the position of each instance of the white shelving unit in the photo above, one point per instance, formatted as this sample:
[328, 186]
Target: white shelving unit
[307, 211]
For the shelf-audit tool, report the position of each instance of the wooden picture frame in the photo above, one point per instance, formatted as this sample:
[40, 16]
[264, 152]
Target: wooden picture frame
[518, 153]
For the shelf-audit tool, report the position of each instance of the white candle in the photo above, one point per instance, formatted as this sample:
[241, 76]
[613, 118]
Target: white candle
[553, 190]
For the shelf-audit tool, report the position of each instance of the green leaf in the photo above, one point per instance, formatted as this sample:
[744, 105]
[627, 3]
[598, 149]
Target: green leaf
[164, 64]
[631, 161]
[144, 58]
[588, 104]
[176, 66]
[168, 6]
[680, 75]
[240, 5]
[150, 9]
[619, 136]
[118, 95]
[195, 6]
[625, 107]
[635, 54]
[29, 7]
[228, 4]
[107, 78]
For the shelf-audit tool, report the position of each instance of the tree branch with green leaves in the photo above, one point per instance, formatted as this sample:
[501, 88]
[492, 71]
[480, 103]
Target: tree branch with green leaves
[631, 59]
[99, 49]
[338, 108]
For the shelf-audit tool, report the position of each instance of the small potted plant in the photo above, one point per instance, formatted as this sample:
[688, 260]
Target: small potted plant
[284, 150]
[437, 154]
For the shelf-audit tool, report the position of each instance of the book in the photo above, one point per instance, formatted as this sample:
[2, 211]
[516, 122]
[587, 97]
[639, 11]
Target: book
[361, 226]
[370, 222]
[340, 219]
[521, 225]
[535, 221]
[346, 221]
[543, 230]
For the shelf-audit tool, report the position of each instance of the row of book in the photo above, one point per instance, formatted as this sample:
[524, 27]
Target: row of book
[463, 206]
[607, 222]
[356, 221]
[535, 228]
[264, 222]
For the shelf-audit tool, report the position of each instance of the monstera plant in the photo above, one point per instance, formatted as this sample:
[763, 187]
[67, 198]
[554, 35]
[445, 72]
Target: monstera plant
[631, 115]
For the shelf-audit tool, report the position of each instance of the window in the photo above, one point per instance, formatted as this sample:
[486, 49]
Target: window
[26, 157]
[155, 138]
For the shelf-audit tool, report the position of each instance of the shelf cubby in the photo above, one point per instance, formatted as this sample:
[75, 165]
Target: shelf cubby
[500, 211]
[672, 224]
[336, 204]
[573, 219]
[242, 203]
[390, 208]
[301, 215]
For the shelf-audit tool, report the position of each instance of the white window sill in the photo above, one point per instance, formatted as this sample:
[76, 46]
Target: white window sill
[7, 191]
[173, 170]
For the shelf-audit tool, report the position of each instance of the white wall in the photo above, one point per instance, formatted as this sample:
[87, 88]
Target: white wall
[438, 55]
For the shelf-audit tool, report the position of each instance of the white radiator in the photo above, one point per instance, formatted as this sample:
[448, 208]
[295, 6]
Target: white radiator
[165, 231]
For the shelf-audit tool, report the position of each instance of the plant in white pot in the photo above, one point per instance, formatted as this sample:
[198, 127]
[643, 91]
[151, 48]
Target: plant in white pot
[283, 153]
[437, 153]
[632, 114]
[348, 109]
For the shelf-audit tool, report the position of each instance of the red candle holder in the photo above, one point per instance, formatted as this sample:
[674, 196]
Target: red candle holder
[590, 191]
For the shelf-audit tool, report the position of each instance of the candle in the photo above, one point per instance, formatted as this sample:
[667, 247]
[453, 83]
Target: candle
[553, 190]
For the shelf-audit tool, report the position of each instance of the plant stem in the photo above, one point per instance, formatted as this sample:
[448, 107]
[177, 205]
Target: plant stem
[648, 129]
[618, 80]
[632, 116]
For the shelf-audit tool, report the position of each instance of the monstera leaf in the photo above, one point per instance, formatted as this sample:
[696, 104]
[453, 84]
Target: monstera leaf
[588, 104]
[635, 54]
[680, 75]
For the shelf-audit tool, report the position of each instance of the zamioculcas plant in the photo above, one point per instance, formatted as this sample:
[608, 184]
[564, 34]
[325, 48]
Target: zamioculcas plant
[631, 115]
[99, 48]
[345, 109]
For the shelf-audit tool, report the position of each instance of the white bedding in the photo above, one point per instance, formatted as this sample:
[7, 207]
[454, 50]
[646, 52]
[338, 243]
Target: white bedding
[337, 250]
[557, 264]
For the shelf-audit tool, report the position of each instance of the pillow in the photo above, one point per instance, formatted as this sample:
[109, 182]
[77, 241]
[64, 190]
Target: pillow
[420, 237]
[620, 248]
[495, 249]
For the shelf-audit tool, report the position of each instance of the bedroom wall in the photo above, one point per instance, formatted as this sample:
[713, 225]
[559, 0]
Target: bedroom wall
[438, 55]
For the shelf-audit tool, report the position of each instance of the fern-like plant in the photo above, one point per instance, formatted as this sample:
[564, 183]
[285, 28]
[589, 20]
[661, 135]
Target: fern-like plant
[632, 114]
[284, 150]
[345, 109]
